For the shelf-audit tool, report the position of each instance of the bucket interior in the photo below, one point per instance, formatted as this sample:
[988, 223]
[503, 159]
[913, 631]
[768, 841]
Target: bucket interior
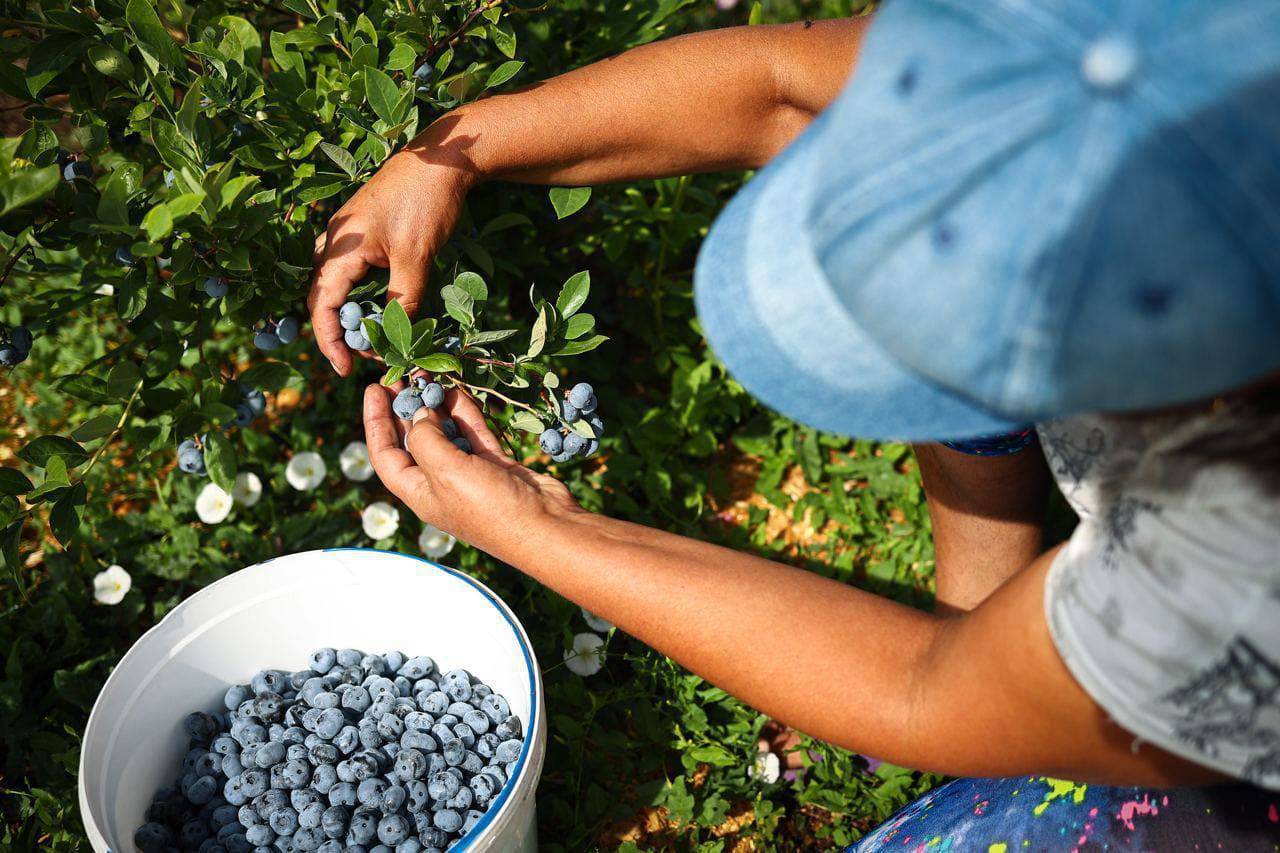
[272, 616]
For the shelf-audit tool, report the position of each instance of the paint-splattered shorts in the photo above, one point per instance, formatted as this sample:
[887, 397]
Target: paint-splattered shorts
[1002, 444]
[1031, 813]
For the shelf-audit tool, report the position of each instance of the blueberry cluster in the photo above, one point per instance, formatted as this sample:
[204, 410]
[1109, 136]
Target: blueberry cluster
[357, 754]
[561, 442]
[15, 345]
[350, 315]
[253, 404]
[191, 457]
[420, 392]
[269, 334]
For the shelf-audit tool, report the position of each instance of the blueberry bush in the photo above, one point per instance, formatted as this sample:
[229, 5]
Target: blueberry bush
[165, 420]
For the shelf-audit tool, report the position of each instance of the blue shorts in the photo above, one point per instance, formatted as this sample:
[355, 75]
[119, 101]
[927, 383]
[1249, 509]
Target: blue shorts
[1004, 444]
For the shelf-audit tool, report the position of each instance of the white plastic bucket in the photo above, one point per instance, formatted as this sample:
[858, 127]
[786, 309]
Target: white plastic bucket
[273, 615]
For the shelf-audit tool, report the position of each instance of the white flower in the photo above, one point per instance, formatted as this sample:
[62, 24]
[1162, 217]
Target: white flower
[212, 504]
[596, 623]
[586, 657]
[380, 520]
[305, 471]
[434, 542]
[354, 462]
[110, 586]
[247, 489]
[767, 768]
[105, 290]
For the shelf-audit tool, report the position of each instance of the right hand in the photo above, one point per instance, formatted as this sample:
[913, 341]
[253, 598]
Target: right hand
[398, 220]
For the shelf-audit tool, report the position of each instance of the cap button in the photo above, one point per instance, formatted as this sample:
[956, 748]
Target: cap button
[1109, 63]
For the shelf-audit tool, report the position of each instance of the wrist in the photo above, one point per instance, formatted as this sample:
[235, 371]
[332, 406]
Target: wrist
[454, 142]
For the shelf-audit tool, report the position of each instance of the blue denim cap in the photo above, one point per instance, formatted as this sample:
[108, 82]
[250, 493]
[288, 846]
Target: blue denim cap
[1014, 212]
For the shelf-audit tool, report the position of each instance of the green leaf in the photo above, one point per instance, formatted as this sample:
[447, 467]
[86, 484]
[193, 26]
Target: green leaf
[109, 62]
[67, 513]
[9, 544]
[402, 57]
[24, 186]
[393, 375]
[491, 337]
[568, 200]
[579, 347]
[712, 754]
[473, 284]
[573, 293]
[14, 482]
[268, 375]
[185, 204]
[458, 304]
[150, 31]
[220, 460]
[158, 222]
[503, 222]
[382, 94]
[503, 73]
[398, 328]
[341, 157]
[527, 421]
[583, 429]
[95, 427]
[578, 325]
[439, 362]
[756, 15]
[538, 336]
[40, 450]
[233, 188]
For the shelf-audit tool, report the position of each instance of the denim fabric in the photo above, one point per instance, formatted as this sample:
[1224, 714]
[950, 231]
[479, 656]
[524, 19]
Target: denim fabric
[1034, 813]
[1015, 212]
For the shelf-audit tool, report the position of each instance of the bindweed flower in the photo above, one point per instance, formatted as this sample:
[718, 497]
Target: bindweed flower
[305, 471]
[109, 587]
[434, 542]
[354, 462]
[213, 504]
[596, 623]
[247, 489]
[380, 520]
[766, 768]
[726, 5]
[586, 657]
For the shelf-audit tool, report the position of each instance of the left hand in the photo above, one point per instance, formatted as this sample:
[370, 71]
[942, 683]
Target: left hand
[484, 498]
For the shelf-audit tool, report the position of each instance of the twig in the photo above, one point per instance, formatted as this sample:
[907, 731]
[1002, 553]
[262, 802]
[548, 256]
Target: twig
[124, 416]
[498, 394]
[457, 34]
[13, 259]
[497, 361]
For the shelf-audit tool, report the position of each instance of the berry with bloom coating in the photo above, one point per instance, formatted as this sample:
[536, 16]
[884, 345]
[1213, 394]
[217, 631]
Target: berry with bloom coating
[124, 257]
[551, 442]
[9, 355]
[433, 395]
[77, 170]
[215, 287]
[357, 340]
[581, 395]
[450, 428]
[266, 340]
[424, 71]
[574, 444]
[349, 316]
[190, 458]
[287, 330]
[406, 403]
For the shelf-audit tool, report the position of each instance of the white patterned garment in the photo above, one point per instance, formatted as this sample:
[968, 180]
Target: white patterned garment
[1165, 603]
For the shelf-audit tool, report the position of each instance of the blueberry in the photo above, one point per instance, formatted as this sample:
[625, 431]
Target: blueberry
[124, 257]
[592, 447]
[462, 444]
[330, 723]
[417, 667]
[334, 846]
[406, 403]
[296, 774]
[190, 458]
[392, 799]
[325, 699]
[240, 129]
[324, 778]
[410, 764]
[266, 340]
[307, 840]
[357, 340]
[482, 787]
[244, 415]
[215, 287]
[581, 394]
[433, 395]
[287, 330]
[323, 660]
[349, 316]
[590, 407]
[269, 707]
[424, 71]
[257, 403]
[508, 751]
[447, 820]
[596, 424]
[10, 356]
[342, 794]
[369, 792]
[473, 817]
[201, 726]
[496, 707]
[152, 836]
[253, 782]
[454, 752]
[356, 699]
[562, 457]
[284, 820]
[334, 821]
[574, 444]
[551, 442]
[569, 412]
[21, 337]
[364, 825]
[477, 721]
[509, 728]
[260, 835]
[393, 829]
[77, 170]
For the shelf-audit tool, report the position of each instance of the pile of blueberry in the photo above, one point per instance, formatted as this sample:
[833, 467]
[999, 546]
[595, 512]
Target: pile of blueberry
[253, 404]
[350, 315]
[15, 345]
[560, 442]
[357, 754]
[269, 334]
[191, 457]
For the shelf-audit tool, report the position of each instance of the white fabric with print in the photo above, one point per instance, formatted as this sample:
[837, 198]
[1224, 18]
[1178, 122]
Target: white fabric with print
[1165, 603]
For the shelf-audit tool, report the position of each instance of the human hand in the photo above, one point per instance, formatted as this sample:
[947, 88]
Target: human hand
[398, 220]
[484, 498]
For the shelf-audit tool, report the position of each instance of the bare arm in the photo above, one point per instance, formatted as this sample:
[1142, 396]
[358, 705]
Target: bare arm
[983, 693]
[730, 98]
